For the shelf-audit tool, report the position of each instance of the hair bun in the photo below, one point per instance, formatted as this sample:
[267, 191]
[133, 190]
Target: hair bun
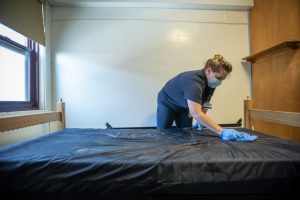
[218, 58]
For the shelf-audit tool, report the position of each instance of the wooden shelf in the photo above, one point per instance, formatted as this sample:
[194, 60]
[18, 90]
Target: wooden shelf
[292, 44]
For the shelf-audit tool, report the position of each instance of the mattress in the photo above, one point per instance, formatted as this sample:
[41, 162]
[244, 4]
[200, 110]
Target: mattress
[120, 162]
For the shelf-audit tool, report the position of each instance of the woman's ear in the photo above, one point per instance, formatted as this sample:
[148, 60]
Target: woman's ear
[206, 71]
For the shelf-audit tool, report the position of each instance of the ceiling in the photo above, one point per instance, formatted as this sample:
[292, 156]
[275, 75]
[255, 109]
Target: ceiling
[175, 4]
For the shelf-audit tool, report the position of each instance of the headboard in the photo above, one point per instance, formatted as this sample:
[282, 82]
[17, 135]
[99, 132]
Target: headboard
[286, 118]
[23, 120]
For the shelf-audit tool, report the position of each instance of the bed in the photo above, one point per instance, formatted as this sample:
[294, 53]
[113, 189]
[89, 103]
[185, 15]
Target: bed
[122, 163]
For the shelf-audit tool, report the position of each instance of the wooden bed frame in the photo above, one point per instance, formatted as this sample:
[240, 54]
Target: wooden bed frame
[20, 121]
[280, 117]
[23, 120]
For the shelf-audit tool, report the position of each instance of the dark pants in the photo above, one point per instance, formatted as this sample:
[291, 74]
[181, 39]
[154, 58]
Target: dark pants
[166, 117]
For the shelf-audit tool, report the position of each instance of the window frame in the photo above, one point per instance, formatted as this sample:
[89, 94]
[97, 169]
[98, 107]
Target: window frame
[32, 76]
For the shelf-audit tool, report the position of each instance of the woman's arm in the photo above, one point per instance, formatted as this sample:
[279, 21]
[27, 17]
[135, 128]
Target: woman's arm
[200, 116]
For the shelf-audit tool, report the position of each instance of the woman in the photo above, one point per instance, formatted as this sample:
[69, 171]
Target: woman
[183, 98]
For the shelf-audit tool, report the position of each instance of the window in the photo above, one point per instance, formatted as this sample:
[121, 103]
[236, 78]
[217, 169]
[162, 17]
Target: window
[18, 71]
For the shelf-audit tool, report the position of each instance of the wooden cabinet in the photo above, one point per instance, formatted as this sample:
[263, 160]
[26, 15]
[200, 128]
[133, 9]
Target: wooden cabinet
[275, 70]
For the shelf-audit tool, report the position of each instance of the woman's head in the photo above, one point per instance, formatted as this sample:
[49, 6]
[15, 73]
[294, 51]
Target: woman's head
[216, 70]
[218, 64]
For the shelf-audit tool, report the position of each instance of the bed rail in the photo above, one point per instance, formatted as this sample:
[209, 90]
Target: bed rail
[21, 120]
[280, 117]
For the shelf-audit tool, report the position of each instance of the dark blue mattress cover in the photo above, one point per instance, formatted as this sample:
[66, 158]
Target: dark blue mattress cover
[147, 161]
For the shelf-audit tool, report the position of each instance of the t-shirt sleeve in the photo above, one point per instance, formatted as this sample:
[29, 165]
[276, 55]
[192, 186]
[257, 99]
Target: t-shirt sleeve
[193, 91]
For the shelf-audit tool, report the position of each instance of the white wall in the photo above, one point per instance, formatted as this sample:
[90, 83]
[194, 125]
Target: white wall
[110, 63]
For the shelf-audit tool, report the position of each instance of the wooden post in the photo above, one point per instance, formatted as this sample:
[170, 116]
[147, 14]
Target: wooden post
[61, 109]
[248, 123]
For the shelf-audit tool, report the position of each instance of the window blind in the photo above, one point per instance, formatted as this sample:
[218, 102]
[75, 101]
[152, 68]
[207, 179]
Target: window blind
[25, 17]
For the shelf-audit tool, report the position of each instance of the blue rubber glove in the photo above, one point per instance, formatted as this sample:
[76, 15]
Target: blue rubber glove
[197, 126]
[234, 135]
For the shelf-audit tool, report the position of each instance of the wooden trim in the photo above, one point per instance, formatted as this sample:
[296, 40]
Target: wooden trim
[13, 122]
[292, 44]
[287, 118]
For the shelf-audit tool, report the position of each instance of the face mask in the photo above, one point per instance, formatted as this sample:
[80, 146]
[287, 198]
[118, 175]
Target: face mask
[213, 82]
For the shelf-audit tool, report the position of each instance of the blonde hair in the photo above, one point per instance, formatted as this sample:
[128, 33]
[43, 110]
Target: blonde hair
[218, 63]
